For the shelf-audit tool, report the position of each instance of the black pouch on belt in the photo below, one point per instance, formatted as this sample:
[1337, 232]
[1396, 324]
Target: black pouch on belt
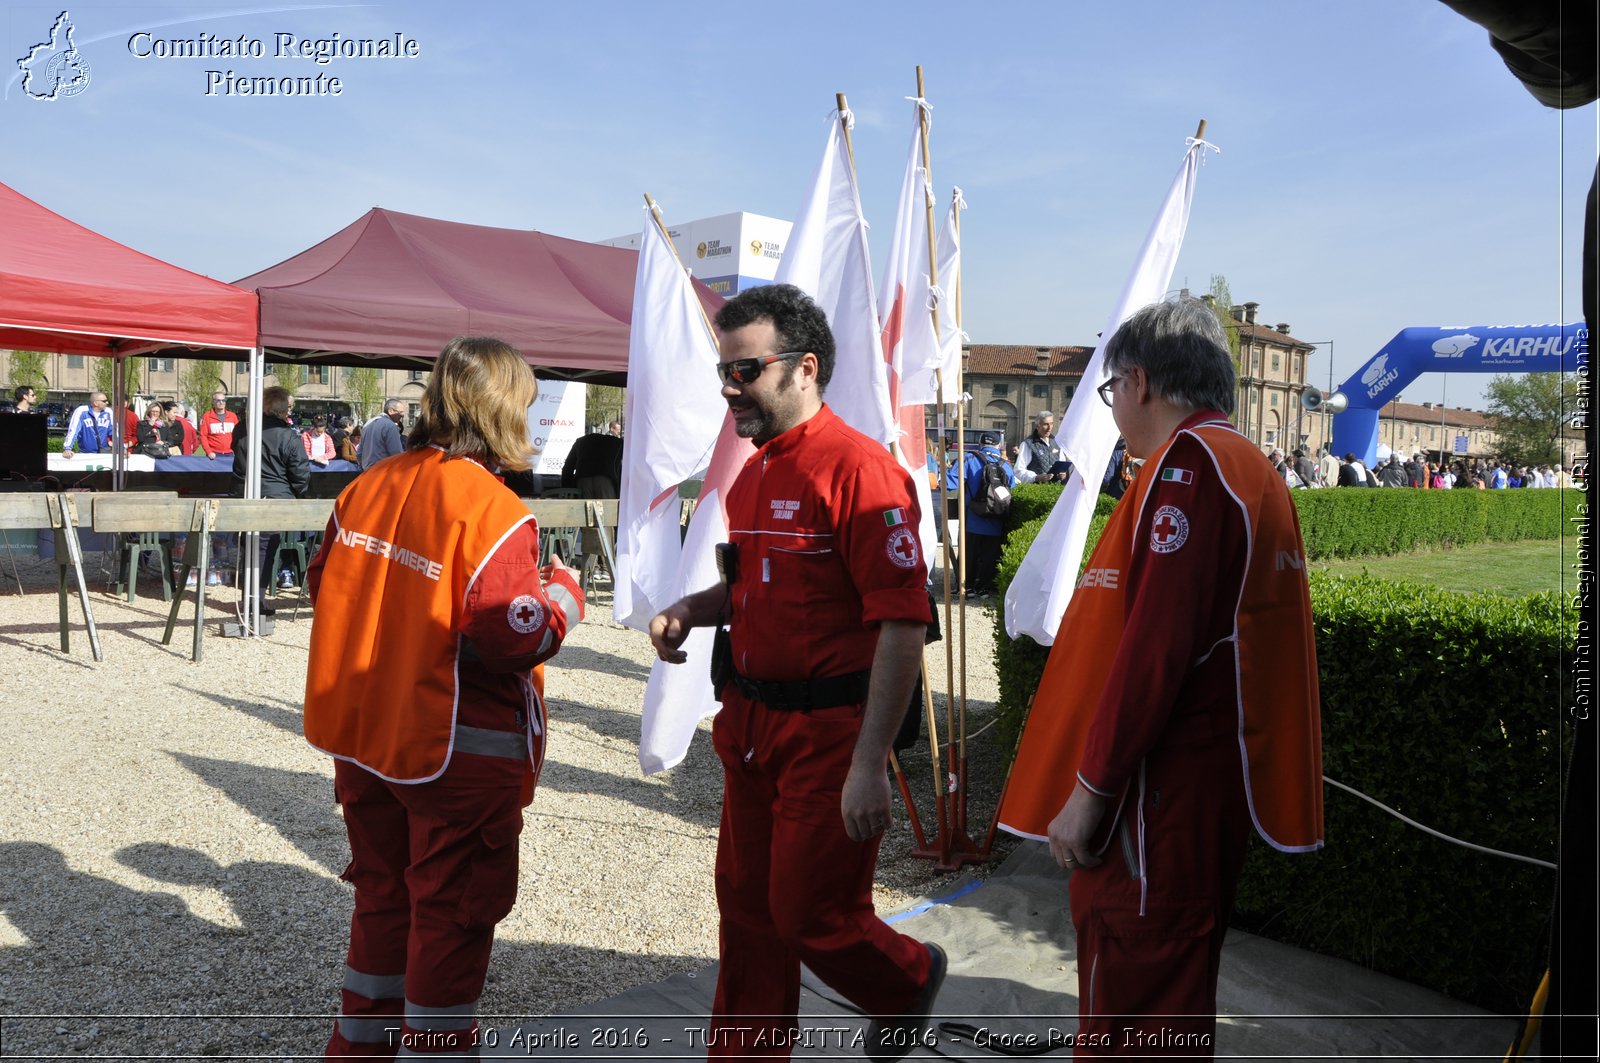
[721, 643]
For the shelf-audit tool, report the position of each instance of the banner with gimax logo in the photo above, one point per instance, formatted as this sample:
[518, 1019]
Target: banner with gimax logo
[555, 421]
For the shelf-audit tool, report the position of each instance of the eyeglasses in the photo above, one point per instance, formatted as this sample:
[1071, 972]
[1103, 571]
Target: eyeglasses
[748, 370]
[1105, 389]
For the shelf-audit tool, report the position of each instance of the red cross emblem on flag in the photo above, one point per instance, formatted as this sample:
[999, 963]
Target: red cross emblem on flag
[902, 546]
[1169, 530]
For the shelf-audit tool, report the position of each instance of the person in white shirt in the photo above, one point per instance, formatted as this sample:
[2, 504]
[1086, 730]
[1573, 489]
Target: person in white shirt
[319, 444]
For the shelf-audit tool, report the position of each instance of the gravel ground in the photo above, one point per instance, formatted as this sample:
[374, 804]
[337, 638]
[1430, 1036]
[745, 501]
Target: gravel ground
[170, 848]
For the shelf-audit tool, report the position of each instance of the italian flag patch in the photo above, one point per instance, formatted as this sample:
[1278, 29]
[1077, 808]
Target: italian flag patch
[892, 517]
[1177, 476]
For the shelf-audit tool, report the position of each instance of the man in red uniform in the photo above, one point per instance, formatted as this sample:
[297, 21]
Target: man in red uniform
[826, 609]
[1179, 704]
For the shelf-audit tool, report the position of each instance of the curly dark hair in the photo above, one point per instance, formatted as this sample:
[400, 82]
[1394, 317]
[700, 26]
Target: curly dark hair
[800, 323]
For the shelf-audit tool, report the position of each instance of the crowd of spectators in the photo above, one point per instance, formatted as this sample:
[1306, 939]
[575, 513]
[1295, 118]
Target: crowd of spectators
[1396, 470]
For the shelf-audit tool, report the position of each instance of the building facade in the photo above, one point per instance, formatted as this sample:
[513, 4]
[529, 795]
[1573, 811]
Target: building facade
[1010, 383]
[1273, 370]
[70, 380]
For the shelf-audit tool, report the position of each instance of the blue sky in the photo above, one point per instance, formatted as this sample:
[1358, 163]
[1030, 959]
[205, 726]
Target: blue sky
[1379, 169]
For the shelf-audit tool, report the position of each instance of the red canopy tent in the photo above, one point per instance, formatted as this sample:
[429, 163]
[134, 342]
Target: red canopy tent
[65, 288]
[390, 289]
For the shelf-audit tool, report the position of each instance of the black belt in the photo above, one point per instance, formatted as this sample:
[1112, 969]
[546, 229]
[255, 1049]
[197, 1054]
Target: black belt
[801, 694]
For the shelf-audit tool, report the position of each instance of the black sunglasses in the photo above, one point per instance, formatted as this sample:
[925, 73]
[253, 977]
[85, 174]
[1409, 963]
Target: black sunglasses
[747, 370]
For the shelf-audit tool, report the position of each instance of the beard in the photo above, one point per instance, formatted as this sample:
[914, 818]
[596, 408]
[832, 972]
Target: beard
[769, 416]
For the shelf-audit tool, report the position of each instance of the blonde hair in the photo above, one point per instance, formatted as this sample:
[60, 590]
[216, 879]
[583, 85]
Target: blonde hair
[476, 404]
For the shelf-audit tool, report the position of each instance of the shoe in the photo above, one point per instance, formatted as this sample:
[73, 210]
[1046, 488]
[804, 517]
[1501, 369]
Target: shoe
[286, 581]
[191, 581]
[214, 579]
[889, 1040]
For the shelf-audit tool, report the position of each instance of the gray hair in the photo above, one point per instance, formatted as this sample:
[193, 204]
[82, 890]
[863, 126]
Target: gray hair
[1181, 347]
[392, 405]
[1043, 415]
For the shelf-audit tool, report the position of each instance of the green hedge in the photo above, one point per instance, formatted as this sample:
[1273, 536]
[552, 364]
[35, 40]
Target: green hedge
[1356, 522]
[1447, 708]
[1444, 706]
[1352, 522]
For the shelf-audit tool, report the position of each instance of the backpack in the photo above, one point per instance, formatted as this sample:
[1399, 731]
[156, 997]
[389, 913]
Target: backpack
[993, 498]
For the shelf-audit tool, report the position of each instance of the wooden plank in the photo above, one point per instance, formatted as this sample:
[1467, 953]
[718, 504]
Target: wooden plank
[271, 514]
[142, 512]
[571, 512]
[30, 509]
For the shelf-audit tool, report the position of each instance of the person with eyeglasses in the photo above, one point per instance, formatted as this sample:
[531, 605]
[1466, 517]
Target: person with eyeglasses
[825, 606]
[1179, 704]
[217, 426]
[89, 430]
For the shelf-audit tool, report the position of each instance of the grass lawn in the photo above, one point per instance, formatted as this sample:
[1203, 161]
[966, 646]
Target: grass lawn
[1511, 569]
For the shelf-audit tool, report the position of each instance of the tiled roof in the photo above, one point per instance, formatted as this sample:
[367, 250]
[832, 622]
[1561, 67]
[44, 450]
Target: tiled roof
[1411, 411]
[1015, 359]
[1267, 334]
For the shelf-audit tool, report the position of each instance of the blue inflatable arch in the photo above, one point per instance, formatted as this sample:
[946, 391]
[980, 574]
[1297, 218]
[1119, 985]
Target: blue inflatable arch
[1448, 349]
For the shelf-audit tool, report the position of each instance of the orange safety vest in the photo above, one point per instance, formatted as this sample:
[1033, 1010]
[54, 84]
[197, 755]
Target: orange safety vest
[382, 682]
[1274, 650]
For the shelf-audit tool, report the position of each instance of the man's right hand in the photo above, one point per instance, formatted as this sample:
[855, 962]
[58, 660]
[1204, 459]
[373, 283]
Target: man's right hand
[668, 629]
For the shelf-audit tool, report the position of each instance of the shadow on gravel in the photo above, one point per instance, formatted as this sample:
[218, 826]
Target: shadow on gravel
[690, 795]
[299, 805]
[107, 967]
[611, 723]
[582, 659]
[285, 715]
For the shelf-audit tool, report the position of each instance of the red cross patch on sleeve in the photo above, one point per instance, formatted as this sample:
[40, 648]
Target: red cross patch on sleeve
[1169, 530]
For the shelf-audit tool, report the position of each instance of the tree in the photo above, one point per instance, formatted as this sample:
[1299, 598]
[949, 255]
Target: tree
[198, 381]
[1530, 414]
[104, 369]
[605, 405]
[1222, 306]
[287, 375]
[363, 389]
[27, 370]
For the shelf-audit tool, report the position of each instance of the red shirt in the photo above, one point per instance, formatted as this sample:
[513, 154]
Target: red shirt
[825, 522]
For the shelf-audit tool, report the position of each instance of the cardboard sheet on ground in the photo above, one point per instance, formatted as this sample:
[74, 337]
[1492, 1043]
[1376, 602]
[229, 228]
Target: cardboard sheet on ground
[1013, 977]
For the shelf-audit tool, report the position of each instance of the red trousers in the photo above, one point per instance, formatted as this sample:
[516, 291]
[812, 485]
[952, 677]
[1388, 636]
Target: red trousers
[1148, 951]
[435, 868]
[791, 885]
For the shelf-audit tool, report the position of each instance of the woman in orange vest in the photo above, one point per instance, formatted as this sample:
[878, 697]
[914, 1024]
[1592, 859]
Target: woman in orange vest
[425, 684]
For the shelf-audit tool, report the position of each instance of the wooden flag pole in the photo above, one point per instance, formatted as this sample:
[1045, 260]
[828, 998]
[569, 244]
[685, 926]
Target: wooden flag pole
[955, 847]
[655, 217]
[894, 761]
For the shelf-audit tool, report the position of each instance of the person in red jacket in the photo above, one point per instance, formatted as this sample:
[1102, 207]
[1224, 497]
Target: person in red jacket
[1179, 706]
[426, 685]
[826, 609]
[216, 427]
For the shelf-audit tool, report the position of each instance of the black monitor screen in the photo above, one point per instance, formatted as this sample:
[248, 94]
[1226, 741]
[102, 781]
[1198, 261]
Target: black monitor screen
[22, 449]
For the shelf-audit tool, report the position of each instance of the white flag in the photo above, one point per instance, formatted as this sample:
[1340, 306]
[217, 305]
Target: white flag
[1038, 595]
[950, 335]
[827, 258]
[678, 696]
[909, 344]
[910, 347]
[674, 412]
